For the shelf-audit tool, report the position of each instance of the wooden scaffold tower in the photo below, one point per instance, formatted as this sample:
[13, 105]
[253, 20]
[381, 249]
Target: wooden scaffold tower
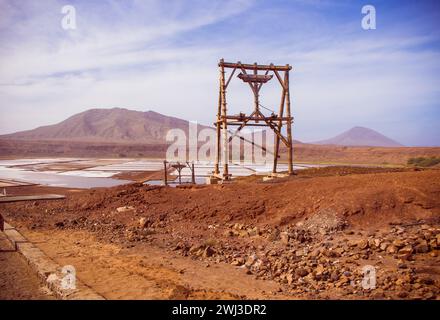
[256, 118]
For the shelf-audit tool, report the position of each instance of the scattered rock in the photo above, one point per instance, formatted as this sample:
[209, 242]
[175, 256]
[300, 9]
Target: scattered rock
[284, 238]
[402, 294]
[228, 233]
[301, 272]
[253, 231]
[195, 249]
[406, 250]
[143, 222]
[124, 208]
[427, 280]
[363, 244]
[208, 252]
[392, 249]
[237, 262]
[59, 224]
[147, 231]
[289, 279]
[422, 247]
[334, 276]
[398, 243]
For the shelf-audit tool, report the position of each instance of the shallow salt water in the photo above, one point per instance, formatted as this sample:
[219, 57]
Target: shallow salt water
[101, 175]
[89, 173]
[55, 179]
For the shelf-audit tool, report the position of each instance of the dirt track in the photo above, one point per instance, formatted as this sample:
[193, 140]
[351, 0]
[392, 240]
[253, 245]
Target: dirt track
[304, 237]
[17, 279]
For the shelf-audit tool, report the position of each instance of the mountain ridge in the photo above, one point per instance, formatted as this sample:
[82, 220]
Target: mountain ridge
[360, 136]
[107, 125]
[121, 125]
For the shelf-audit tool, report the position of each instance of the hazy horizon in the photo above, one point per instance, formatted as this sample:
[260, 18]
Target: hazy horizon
[211, 125]
[162, 56]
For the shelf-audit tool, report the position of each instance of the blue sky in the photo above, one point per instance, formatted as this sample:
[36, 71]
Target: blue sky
[162, 56]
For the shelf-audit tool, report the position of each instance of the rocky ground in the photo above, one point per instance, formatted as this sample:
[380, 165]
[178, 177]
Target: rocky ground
[330, 262]
[321, 234]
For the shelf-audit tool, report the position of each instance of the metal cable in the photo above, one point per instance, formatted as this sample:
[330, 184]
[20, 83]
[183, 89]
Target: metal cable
[266, 108]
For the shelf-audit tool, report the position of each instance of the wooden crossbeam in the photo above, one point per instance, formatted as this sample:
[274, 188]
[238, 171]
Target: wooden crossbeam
[253, 67]
[257, 118]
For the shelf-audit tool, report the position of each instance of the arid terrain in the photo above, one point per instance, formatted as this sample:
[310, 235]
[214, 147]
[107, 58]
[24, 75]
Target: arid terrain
[308, 236]
[303, 237]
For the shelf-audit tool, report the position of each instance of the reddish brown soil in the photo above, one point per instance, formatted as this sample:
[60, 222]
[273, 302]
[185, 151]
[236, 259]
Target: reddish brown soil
[232, 222]
[144, 271]
[364, 199]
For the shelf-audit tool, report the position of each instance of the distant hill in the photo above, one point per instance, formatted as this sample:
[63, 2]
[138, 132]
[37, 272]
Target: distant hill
[360, 136]
[107, 125]
[119, 125]
[124, 133]
[116, 125]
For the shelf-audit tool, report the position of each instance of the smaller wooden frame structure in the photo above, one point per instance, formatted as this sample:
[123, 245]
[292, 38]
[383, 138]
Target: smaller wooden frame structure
[256, 118]
[178, 166]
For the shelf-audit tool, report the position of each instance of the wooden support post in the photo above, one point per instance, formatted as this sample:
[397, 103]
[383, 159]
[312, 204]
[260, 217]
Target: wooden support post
[224, 123]
[193, 175]
[2, 223]
[165, 177]
[280, 124]
[289, 127]
[256, 102]
[218, 127]
[179, 169]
